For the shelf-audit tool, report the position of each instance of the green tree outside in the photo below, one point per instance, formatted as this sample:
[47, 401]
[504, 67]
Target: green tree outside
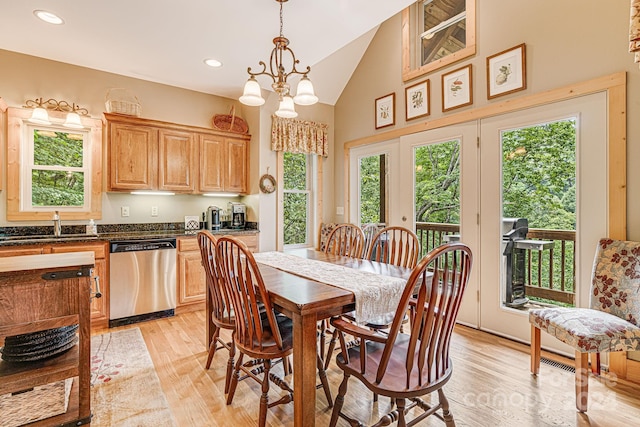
[54, 182]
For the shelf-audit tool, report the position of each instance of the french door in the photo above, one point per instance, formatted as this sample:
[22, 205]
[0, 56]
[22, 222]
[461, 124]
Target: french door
[465, 137]
[590, 118]
[481, 204]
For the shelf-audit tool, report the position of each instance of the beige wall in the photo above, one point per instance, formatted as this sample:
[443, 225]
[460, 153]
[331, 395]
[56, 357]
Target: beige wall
[567, 42]
[24, 77]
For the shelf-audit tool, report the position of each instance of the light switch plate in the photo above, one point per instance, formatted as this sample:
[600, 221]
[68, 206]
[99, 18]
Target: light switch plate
[339, 210]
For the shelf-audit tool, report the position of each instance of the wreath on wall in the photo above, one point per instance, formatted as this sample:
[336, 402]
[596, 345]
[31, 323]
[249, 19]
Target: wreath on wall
[267, 183]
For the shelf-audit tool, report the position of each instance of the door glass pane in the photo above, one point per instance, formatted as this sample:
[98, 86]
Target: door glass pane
[373, 189]
[437, 192]
[296, 199]
[539, 193]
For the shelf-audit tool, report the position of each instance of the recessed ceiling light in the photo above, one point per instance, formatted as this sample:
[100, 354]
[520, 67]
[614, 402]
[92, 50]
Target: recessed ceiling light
[49, 17]
[213, 63]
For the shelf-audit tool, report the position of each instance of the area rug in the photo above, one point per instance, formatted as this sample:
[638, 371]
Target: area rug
[125, 389]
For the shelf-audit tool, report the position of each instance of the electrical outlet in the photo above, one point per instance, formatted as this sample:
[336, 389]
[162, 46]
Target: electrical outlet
[154, 211]
[124, 211]
[339, 210]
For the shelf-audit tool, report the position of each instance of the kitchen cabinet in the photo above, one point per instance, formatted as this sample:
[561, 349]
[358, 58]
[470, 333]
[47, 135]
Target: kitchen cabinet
[40, 293]
[147, 154]
[176, 158]
[132, 157]
[191, 280]
[223, 164]
[191, 277]
[99, 306]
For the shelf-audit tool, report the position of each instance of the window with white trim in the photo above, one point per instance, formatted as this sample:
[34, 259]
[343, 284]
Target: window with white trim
[57, 169]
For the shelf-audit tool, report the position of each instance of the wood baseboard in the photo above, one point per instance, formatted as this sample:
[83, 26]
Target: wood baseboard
[190, 307]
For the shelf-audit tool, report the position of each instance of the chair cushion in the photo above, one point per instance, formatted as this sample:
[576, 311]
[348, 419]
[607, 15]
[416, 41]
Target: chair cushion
[587, 330]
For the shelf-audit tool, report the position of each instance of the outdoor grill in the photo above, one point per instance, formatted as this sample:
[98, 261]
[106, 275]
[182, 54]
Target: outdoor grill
[515, 245]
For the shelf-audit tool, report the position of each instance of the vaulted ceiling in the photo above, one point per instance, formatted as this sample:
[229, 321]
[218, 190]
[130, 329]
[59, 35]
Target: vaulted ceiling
[166, 41]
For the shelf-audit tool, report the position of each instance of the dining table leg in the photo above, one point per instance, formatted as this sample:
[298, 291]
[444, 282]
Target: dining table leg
[304, 369]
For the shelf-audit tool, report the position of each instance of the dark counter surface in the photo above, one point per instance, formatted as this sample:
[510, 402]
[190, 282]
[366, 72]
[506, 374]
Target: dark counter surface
[20, 236]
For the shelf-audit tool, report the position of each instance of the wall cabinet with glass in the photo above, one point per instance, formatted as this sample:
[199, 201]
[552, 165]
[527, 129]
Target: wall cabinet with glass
[146, 154]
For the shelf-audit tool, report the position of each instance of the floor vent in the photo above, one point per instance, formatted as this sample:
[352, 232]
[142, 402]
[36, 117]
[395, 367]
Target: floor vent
[555, 364]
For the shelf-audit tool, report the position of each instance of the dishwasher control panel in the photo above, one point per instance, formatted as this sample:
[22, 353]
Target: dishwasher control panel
[142, 245]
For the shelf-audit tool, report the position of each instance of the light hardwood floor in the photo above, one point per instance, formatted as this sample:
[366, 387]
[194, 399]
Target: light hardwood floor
[491, 385]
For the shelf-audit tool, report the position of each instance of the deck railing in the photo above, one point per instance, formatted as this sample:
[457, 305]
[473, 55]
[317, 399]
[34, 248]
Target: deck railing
[550, 273]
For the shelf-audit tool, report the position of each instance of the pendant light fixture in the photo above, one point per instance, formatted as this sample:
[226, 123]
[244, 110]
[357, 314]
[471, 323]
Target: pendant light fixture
[304, 94]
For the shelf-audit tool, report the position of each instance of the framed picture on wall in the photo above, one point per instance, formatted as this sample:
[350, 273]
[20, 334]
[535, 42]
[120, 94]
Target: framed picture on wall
[417, 100]
[386, 111]
[457, 88]
[506, 72]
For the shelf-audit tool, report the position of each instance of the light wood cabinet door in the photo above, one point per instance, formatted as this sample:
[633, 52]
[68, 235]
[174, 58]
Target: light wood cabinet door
[176, 156]
[132, 157]
[212, 155]
[237, 166]
[192, 281]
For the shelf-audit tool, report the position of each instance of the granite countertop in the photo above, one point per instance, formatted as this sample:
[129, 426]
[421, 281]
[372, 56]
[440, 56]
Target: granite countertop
[19, 236]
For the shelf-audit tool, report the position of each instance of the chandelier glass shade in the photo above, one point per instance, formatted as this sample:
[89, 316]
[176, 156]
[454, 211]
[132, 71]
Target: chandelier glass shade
[304, 94]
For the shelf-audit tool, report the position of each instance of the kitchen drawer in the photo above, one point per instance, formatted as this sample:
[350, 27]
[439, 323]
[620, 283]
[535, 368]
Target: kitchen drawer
[186, 244]
[100, 250]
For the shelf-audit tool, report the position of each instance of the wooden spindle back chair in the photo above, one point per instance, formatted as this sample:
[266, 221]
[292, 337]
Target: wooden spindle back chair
[407, 366]
[395, 245]
[221, 309]
[346, 240]
[259, 333]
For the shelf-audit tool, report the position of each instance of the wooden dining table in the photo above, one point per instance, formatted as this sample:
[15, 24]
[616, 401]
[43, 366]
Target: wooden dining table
[307, 301]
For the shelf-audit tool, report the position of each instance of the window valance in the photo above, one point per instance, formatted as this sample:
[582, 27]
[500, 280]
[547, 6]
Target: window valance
[634, 30]
[299, 136]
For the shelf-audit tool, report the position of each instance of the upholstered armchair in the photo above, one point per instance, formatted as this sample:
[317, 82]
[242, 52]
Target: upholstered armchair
[611, 322]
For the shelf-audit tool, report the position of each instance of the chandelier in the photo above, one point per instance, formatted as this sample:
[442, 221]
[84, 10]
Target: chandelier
[304, 93]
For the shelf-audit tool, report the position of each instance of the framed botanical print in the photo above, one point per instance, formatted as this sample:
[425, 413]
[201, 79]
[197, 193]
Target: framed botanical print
[386, 111]
[417, 100]
[506, 72]
[457, 88]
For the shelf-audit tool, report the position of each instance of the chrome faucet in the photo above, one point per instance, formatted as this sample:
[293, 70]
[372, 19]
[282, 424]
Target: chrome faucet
[57, 227]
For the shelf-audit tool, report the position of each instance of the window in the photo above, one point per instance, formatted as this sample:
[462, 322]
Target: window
[297, 199]
[436, 33]
[53, 168]
[56, 165]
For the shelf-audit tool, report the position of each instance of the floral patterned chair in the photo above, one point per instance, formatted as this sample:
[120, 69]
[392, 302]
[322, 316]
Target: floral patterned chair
[611, 324]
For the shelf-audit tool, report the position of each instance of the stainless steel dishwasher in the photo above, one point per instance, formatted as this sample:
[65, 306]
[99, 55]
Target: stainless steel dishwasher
[142, 279]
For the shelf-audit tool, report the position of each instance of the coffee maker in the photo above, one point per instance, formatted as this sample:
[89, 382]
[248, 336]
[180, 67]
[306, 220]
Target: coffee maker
[238, 213]
[213, 218]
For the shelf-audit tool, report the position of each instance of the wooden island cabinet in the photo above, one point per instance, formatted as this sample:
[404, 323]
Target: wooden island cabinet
[148, 154]
[99, 309]
[39, 293]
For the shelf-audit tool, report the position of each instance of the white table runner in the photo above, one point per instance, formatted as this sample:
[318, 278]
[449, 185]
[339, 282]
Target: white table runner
[375, 294]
